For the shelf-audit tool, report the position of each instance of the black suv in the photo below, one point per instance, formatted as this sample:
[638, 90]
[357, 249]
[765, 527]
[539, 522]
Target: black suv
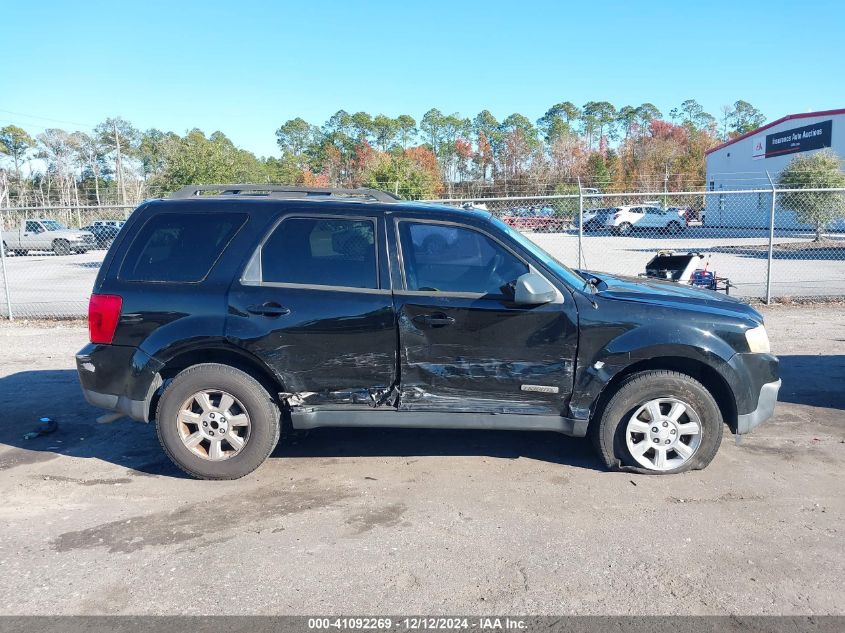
[224, 317]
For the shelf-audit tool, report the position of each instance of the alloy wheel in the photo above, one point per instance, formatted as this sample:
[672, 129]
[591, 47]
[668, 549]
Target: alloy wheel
[213, 424]
[663, 434]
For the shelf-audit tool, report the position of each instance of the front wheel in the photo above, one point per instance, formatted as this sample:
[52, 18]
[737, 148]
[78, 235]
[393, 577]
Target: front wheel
[674, 227]
[625, 228]
[217, 422]
[658, 422]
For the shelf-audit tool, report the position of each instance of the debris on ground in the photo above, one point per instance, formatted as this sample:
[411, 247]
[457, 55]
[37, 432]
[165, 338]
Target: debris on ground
[46, 427]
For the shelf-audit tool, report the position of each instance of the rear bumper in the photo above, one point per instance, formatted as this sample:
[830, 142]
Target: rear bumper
[765, 408]
[122, 379]
[135, 409]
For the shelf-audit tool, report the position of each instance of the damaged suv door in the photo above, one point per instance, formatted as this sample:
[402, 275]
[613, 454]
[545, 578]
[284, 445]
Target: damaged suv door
[319, 288]
[468, 342]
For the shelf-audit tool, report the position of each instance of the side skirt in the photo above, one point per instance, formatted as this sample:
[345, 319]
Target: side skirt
[312, 419]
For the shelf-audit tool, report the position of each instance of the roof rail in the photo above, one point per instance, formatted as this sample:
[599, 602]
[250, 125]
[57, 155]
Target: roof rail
[282, 191]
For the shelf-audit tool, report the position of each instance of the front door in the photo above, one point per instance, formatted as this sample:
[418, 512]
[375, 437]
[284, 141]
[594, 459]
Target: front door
[464, 345]
[315, 305]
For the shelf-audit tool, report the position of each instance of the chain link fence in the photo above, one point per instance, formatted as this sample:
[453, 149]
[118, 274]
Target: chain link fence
[762, 244]
[51, 256]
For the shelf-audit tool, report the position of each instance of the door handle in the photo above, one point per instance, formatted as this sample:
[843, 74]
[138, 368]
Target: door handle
[270, 309]
[437, 319]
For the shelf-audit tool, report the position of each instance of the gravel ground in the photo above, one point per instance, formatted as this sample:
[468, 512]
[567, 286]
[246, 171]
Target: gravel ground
[96, 520]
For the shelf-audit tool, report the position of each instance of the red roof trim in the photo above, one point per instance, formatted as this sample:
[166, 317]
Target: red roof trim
[788, 117]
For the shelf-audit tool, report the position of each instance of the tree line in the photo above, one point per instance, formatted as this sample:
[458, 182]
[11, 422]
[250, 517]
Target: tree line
[595, 145]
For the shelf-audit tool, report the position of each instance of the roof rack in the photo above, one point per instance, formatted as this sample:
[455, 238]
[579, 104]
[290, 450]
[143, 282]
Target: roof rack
[282, 191]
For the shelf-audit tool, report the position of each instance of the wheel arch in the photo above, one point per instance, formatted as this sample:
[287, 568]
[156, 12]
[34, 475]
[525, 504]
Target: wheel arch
[707, 375]
[223, 355]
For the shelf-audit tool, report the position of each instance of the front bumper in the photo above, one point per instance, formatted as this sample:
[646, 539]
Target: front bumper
[765, 408]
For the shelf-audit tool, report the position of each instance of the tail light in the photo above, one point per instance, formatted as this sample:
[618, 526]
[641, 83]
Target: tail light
[103, 315]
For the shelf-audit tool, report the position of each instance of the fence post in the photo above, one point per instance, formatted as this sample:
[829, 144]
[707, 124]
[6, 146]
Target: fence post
[580, 225]
[5, 280]
[771, 241]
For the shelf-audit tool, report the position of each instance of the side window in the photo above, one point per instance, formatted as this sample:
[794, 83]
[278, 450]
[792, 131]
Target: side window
[33, 227]
[321, 252]
[444, 258]
[179, 247]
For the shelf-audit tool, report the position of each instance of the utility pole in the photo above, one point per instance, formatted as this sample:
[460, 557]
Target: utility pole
[120, 182]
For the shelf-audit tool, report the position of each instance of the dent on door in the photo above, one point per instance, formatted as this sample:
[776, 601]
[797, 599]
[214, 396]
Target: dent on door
[491, 360]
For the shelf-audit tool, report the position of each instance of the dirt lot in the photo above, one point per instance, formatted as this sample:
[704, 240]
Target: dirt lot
[96, 521]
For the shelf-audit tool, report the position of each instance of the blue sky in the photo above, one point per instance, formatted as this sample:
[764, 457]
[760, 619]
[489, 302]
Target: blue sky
[245, 67]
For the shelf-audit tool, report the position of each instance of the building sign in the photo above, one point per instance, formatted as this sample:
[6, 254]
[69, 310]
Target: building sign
[759, 145]
[800, 139]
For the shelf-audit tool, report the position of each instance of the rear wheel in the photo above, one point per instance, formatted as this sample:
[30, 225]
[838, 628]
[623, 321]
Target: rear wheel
[674, 227]
[61, 247]
[659, 422]
[217, 422]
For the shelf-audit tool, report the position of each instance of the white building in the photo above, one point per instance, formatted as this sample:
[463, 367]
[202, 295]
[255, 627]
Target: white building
[743, 163]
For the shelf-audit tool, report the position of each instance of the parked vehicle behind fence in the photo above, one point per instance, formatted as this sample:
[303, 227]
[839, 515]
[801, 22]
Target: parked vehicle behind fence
[104, 231]
[228, 318]
[46, 235]
[542, 220]
[595, 219]
[626, 219]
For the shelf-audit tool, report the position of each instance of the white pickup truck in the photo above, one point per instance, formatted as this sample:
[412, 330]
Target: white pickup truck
[47, 235]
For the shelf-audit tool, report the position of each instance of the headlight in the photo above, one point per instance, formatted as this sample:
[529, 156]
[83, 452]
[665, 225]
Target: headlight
[758, 340]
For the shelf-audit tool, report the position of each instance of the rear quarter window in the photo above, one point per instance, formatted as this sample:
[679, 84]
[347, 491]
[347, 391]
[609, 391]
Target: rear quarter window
[179, 247]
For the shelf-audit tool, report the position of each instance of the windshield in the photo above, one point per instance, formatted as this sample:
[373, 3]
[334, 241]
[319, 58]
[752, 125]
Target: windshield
[565, 273]
[52, 225]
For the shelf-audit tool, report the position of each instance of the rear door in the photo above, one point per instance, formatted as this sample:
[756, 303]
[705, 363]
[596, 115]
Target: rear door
[314, 304]
[464, 345]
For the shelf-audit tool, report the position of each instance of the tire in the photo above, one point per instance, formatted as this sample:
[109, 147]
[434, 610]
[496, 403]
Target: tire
[674, 227]
[61, 247]
[250, 398]
[625, 228]
[613, 438]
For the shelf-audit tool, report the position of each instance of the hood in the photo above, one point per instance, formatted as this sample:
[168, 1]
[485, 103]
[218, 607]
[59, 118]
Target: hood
[671, 295]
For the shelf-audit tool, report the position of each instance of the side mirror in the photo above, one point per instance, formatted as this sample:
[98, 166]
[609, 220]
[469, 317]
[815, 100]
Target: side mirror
[532, 289]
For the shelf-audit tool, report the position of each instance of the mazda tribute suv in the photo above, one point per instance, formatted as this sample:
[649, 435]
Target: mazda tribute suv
[227, 314]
